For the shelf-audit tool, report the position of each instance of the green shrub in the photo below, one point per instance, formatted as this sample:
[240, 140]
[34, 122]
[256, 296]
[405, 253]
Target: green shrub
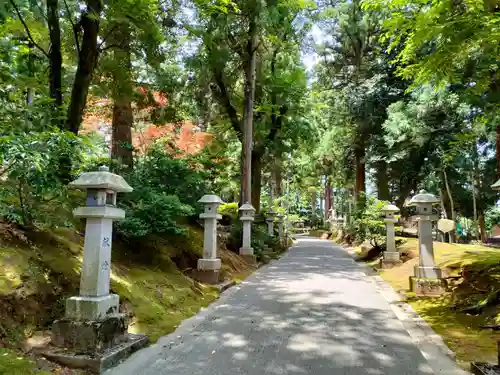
[166, 189]
[152, 212]
[260, 238]
[230, 210]
[492, 217]
[184, 177]
[369, 224]
[32, 192]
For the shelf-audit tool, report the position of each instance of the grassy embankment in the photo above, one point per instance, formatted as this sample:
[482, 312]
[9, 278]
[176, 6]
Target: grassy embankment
[38, 272]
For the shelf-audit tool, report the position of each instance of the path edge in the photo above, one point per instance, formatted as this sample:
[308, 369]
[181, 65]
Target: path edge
[432, 346]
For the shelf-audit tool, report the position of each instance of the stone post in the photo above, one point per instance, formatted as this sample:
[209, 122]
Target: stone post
[281, 226]
[391, 255]
[208, 269]
[270, 222]
[247, 213]
[92, 323]
[428, 277]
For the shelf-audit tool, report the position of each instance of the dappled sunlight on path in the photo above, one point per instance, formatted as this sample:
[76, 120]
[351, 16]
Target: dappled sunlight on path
[311, 312]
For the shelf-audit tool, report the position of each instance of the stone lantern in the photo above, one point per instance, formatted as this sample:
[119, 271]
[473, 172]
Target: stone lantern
[391, 255]
[209, 266]
[270, 222]
[340, 222]
[247, 213]
[92, 324]
[496, 185]
[428, 277]
[281, 226]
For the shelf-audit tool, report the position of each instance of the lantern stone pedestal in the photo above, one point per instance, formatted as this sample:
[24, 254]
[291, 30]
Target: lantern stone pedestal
[93, 334]
[208, 270]
[247, 213]
[270, 222]
[391, 254]
[281, 229]
[270, 231]
[427, 280]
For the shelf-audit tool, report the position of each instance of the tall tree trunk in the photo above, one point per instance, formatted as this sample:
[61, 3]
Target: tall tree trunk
[474, 204]
[497, 152]
[55, 56]
[328, 199]
[441, 202]
[276, 177]
[250, 65]
[452, 204]
[313, 203]
[335, 210]
[476, 184]
[256, 178]
[482, 227]
[382, 181]
[123, 117]
[87, 62]
[359, 160]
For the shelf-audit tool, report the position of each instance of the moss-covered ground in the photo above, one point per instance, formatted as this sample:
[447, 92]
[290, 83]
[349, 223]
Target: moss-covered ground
[448, 316]
[39, 271]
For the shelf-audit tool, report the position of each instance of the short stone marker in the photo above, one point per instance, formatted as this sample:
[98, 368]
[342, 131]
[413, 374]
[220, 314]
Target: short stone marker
[445, 225]
[208, 270]
[428, 278]
[391, 254]
[268, 251]
[93, 334]
[281, 226]
[247, 213]
[270, 222]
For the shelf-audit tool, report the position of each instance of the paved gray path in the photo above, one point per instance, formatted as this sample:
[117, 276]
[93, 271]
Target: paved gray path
[313, 311]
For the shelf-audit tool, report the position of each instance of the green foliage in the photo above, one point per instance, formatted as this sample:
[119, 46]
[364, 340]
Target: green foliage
[230, 210]
[369, 224]
[152, 212]
[443, 41]
[492, 217]
[166, 189]
[260, 238]
[31, 193]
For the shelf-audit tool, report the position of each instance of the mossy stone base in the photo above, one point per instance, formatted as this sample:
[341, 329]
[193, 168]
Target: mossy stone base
[386, 264]
[270, 253]
[427, 287]
[484, 369]
[207, 276]
[97, 364]
[89, 337]
[250, 259]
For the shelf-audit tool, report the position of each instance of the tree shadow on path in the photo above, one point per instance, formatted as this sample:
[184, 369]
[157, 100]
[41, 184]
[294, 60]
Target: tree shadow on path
[311, 312]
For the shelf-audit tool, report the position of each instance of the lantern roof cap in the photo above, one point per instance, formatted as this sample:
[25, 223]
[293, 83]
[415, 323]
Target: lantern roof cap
[496, 185]
[101, 179]
[390, 208]
[246, 207]
[210, 198]
[423, 197]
